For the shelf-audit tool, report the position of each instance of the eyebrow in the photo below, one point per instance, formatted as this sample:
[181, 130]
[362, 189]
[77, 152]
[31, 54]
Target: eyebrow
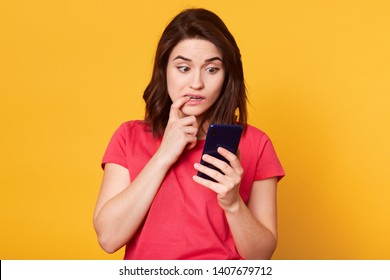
[207, 60]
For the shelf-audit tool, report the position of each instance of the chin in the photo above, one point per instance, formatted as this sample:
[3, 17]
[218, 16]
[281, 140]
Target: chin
[192, 112]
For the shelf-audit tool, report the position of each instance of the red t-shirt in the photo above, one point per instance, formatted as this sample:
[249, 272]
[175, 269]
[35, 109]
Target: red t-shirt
[185, 220]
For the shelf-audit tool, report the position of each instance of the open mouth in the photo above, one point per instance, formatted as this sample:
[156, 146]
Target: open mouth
[195, 97]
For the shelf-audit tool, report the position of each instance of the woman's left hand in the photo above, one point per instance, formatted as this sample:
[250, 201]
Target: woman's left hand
[226, 186]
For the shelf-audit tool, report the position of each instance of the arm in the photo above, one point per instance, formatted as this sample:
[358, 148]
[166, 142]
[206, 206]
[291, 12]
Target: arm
[253, 226]
[123, 204]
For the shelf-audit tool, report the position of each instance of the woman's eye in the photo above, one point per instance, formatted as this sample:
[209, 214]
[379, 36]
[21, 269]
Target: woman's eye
[212, 69]
[183, 68]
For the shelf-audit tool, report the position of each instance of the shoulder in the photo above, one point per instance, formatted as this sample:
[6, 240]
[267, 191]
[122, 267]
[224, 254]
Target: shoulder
[254, 134]
[254, 140]
[257, 146]
[130, 131]
[134, 125]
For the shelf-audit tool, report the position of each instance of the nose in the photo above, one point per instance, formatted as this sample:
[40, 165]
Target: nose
[196, 81]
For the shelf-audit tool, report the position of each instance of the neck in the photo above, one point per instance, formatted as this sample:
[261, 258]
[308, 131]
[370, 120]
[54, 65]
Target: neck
[203, 126]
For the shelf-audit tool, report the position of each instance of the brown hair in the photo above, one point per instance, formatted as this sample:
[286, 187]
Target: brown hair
[202, 24]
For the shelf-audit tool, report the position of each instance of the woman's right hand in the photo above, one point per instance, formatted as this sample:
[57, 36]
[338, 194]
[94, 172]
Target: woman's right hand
[179, 134]
[124, 202]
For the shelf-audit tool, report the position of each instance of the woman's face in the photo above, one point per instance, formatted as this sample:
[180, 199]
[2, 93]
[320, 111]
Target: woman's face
[195, 69]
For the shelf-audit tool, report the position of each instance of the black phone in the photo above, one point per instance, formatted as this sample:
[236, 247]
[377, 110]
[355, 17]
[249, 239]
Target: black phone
[220, 135]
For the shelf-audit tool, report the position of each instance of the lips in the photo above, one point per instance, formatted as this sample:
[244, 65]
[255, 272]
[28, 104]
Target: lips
[195, 97]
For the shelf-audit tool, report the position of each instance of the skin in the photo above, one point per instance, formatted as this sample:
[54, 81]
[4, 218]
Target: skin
[253, 226]
[195, 68]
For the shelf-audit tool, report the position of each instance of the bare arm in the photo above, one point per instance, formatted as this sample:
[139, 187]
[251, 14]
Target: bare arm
[123, 204]
[253, 227]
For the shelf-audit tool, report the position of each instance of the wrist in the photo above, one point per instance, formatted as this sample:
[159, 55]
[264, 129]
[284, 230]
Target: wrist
[235, 207]
[162, 162]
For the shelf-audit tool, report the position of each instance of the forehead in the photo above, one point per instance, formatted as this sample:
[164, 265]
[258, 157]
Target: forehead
[195, 48]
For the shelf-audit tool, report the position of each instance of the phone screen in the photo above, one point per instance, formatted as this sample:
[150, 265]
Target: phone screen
[220, 135]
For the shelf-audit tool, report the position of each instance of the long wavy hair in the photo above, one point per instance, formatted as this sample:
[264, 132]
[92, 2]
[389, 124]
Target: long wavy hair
[230, 107]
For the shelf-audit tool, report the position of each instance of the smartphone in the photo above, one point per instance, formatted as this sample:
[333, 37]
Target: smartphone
[220, 135]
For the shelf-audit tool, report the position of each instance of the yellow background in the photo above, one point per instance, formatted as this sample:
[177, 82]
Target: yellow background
[318, 76]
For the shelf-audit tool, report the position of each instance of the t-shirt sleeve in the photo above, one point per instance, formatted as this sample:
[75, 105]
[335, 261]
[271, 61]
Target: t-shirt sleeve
[116, 149]
[268, 164]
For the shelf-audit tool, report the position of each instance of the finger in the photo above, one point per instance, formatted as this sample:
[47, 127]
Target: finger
[175, 112]
[191, 142]
[232, 158]
[233, 170]
[214, 174]
[220, 164]
[189, 121]
[191, 130]
[218, 188]
[207, 183]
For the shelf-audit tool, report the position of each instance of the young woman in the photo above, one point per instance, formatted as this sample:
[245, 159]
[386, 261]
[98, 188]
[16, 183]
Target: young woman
[150, 198]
